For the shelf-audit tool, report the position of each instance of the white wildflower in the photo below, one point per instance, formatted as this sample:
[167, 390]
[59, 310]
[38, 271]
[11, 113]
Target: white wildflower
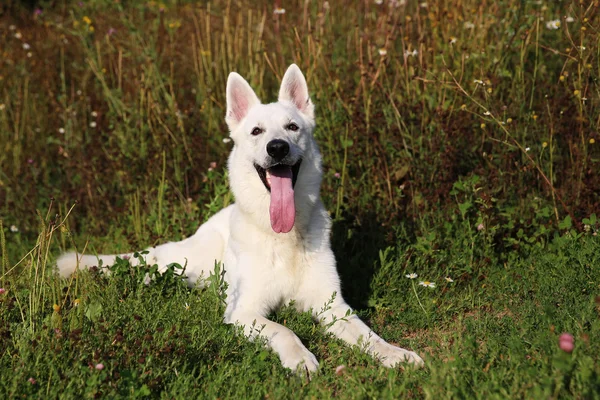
[553, 25]
[279, 11]
[411, 275]
[14, 229]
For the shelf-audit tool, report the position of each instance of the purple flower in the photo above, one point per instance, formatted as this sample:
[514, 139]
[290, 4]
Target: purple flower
[38, 11]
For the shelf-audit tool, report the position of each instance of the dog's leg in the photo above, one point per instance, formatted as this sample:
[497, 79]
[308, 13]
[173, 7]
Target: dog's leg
[340, 321]
[284, 342]
[320, 286]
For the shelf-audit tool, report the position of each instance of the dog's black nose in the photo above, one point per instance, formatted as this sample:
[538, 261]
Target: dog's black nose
[278, 149]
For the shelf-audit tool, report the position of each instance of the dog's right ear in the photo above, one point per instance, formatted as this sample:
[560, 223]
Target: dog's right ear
[240, 98]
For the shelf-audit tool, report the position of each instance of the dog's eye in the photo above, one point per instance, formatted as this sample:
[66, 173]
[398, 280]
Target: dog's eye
[292, 127]
[256, 131]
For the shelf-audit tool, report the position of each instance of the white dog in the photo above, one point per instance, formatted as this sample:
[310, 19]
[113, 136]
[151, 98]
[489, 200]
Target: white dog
[274, 241]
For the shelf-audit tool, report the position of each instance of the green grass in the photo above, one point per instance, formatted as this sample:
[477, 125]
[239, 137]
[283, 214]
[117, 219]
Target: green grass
[475, 159]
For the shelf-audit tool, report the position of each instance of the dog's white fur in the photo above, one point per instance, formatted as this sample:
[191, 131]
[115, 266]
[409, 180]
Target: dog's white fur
[263, 269]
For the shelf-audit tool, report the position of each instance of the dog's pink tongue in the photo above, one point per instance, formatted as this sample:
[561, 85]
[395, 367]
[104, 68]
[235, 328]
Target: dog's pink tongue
[282, 210]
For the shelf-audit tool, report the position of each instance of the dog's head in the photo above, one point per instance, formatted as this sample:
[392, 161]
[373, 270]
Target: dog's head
[273, 144]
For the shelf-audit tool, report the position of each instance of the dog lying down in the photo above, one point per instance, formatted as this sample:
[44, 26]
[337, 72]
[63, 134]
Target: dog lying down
[274, 242]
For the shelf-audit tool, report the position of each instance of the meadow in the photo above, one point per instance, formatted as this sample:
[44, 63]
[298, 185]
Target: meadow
[461, 144]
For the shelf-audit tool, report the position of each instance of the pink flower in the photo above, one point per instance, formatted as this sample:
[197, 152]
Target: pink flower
[99, 366]
[566, 342]
[480, 227]
[2, 290]
[337, 175]
[340, 369]
[32, 381]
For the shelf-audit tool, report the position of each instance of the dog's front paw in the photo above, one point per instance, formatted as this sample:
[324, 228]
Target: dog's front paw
[390, 356]
[299, 360]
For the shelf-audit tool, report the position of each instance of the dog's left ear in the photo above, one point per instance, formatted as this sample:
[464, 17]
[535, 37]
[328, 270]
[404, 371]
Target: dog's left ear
[295, 90]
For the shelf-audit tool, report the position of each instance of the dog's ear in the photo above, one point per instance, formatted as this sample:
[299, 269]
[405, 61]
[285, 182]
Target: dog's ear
[240, 98]
[294, 89]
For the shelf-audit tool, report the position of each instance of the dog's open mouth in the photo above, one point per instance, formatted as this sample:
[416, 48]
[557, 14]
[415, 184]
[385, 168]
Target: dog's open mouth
[280, 180]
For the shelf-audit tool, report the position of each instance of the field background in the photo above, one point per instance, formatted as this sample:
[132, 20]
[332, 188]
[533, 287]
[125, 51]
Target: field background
[460, 138]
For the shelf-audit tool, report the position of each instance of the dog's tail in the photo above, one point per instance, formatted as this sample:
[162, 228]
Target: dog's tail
[69, 262]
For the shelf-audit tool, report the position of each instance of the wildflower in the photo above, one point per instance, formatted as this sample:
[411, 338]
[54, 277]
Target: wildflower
[545, 144]
[412, 275]
[213, 164]
[18, 35]
[32, 381]
[76, 302]
[29, 54]
[187, 307]
[12, 27]
[452, 40]
[482, 126]
[87, 20]
[93, 124]
[463, 107]
[56, 308]
[14, 229]
[382, 52]
[468, 25]
[99, 366]
[2, 107]
[26, 46]
[569, 19]
[37, 11]
[336, 175]
[427, 284]
[111, 31]
[480, 227]
[408, 53]
[94, 114]
[553, 25]
[592, 140]
[61, 130]
[566, 342]
[478, 81]
[448, 279]
[340, 369]
[226, 140]
[487, 113]
[423, 5]
[508, 120]
[30, 161]
[2, 290]
[527, 149]
[279, 11]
